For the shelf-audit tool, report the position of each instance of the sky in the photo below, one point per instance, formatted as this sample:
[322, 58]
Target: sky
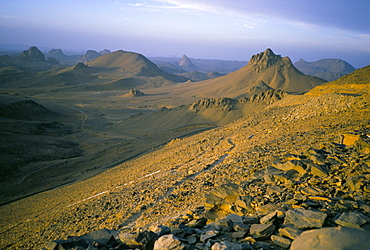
[206, 29]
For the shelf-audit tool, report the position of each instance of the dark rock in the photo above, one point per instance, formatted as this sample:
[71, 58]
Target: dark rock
[303, 219]
[198, 223]
[241, 227]
[238, 235]
[208, 234]
[332, 238]
[142, 240]
[160, 230]
[225, 224]
[192, 239]
[262, 231]
[103, 237]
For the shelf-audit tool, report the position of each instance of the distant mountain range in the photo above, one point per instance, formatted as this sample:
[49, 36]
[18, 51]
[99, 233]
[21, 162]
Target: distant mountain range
[327, 69]
[264, 71]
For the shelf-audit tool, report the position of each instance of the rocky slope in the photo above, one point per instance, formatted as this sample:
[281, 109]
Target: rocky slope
[281, 171]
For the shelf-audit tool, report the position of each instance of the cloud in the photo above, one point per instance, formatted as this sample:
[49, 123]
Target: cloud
[346, 15]
[8, 17]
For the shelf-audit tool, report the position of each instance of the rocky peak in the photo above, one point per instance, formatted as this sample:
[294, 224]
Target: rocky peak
[264, 60]
[56, 53]
[33, 54]
[185, 61]
[104, 51]
[187, 64]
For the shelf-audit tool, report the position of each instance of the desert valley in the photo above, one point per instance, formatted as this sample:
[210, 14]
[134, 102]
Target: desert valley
[114, 150]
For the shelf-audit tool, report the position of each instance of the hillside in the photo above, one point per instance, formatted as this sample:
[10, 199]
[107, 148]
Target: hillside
[298, 164]
[328, 69]
[263, 71]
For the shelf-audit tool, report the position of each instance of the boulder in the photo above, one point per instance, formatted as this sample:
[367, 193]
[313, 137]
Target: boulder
[226, 245]
[168, 241]
[303, 219]
[332, 238]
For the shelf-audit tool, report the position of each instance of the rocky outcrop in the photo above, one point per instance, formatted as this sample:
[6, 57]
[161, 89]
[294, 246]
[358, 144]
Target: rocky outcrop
[224, 104]
[89, 56]
[269, 96]
[265, 59]
[135, 93]
[32, 54]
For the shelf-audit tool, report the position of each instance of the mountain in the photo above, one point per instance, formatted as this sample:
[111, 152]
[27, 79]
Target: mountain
[187, 65]
[130, 64]
[263, 70]
[328, 69]
[89, 56]
[27, 62]
[63, 58]
[32, 54]
[118, 70]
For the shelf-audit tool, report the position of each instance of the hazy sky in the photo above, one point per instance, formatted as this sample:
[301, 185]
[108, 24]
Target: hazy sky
[214, 29]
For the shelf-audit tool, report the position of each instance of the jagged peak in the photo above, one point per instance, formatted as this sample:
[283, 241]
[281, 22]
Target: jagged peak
[185, 61]
[266, 59]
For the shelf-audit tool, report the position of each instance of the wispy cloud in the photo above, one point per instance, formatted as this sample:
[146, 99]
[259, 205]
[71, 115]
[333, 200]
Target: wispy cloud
[364, 36]
[9, 17]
